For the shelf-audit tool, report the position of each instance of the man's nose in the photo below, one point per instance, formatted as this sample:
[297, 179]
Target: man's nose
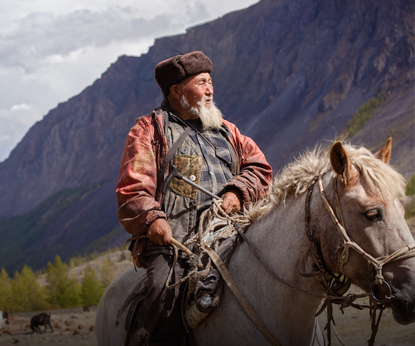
[209, 89]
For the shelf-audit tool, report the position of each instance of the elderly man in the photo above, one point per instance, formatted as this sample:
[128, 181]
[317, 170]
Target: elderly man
[189, 132]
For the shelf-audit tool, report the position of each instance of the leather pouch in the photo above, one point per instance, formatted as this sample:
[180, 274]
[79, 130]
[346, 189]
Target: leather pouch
[191, 167]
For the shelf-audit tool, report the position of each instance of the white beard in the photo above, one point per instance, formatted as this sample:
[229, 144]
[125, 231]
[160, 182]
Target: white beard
[211, 118]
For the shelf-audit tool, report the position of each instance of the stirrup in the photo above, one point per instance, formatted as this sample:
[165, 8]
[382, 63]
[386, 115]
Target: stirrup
[194, 316]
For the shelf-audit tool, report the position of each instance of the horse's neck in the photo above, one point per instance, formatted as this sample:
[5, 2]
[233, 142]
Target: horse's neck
[280, 238]
[281, 241]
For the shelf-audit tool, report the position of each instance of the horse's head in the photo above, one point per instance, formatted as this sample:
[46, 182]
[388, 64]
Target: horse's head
[369, 193]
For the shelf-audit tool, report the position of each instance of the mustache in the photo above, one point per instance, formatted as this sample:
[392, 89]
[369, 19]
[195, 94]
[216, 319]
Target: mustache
[211, 117]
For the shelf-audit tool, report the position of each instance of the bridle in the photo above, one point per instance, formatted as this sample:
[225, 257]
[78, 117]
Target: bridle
[334, 286]
[338, 284]
[345, 244]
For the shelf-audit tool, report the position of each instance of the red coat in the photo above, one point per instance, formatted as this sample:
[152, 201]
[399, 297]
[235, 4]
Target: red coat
[138, 195]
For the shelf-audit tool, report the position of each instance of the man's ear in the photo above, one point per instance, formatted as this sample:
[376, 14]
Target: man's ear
[340, 162]
[175, 91]
[384, 154]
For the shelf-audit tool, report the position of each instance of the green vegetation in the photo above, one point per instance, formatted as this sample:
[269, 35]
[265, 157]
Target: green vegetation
[91, 290]
[409, 210]
[25, 293]
[81, 259]
[365, 113]
[410, 188]
[6, 293]
[107, 272]
[64, 291]
[410, 205]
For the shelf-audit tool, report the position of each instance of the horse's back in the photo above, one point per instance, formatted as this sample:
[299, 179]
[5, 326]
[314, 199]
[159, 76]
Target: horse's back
[111, 303]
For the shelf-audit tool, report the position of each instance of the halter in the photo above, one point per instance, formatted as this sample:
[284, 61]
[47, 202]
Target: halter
[345, 244]
[338, 285]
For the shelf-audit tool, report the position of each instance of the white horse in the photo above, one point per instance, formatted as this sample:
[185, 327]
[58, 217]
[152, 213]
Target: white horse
[368, 193]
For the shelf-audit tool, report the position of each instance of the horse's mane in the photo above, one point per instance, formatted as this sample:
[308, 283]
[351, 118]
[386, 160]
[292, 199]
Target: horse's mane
[379, 178]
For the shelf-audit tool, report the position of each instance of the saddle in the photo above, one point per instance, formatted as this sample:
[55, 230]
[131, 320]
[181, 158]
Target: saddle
[196, 307]
[203, 291]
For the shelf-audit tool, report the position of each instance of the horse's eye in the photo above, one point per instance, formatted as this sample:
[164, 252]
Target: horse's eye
[373, 214]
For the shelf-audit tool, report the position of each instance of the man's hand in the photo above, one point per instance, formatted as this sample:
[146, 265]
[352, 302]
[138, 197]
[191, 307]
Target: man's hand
[232, 201]
[159, 232]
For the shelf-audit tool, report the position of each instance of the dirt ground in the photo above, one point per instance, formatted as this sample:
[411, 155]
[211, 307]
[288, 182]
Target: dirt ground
[70, 327]
[74, 327]
[354, 328]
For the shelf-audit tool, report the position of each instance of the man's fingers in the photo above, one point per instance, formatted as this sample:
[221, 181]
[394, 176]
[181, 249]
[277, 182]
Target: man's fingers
[166, 238]
[159, 232]
[231, 202]
[225, 206]
[230, 205]
[228, 209]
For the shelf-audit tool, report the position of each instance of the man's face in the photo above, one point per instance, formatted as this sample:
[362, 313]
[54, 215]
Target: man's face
[198, 89]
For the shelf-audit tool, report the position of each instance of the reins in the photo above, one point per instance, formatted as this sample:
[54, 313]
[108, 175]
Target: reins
[343, 249]
[378, 263]
[334, 286]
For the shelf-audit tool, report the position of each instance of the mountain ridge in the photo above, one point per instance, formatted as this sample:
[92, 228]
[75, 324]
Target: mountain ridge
[289, 74]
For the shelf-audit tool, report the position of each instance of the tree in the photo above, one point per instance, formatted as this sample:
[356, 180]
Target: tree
[107, 272]
[34, 296]
[17, 301]
[91, 290]
[6, 294]
[27, 294]
[64, 291]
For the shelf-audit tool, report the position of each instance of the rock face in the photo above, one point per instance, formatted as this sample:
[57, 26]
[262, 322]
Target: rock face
[290, 74]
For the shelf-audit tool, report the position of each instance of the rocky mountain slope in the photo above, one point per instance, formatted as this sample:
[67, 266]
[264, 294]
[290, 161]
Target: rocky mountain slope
[290, 74]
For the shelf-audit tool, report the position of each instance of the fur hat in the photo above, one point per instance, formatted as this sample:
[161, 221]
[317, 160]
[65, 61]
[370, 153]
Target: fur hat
[176, 69]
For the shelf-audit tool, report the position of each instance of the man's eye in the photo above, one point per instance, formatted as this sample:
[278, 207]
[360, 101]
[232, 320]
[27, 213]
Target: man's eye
[373, 214]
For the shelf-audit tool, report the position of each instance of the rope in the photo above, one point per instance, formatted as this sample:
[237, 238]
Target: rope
[345, 245]
[206, 235]
[337, 334]
[192, 271]
[336, 285]
[378, 263]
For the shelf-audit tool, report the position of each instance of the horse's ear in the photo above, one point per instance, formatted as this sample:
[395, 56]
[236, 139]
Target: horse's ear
[340, 162]
[384, 154]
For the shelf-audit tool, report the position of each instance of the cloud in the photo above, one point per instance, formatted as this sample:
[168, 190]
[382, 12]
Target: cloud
[18, 119]
[41, 38]
[52, 50]
[20, 107]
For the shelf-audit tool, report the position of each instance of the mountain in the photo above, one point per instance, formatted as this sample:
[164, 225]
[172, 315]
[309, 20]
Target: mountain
[289, 74]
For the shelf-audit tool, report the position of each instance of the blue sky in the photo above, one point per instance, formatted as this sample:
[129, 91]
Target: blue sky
[51, 50]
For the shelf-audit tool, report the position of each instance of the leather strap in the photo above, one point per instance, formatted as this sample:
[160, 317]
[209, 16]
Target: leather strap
[240, 297]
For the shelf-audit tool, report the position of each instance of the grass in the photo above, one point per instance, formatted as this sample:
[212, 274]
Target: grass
[410, 188]
[365, 113]
[410, 205]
